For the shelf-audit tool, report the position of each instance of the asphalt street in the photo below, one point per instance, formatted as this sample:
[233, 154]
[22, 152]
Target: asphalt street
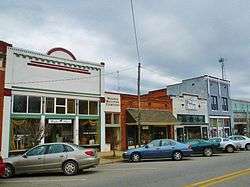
[220, 170]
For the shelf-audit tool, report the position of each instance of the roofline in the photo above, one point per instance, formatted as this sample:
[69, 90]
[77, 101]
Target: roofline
[241, 100]
[54, 57]
[207, 76]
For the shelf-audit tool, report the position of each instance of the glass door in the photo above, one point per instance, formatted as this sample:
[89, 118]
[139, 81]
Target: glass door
[180, 134]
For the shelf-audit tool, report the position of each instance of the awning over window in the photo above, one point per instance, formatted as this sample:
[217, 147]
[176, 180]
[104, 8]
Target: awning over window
[151, 117]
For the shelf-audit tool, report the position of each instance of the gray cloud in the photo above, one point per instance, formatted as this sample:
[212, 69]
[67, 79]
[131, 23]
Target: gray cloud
[178, 39]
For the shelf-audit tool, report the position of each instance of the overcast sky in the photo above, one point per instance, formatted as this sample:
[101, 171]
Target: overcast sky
[177, 39]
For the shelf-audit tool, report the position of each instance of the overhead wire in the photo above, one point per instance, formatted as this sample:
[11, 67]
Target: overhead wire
[68, 79]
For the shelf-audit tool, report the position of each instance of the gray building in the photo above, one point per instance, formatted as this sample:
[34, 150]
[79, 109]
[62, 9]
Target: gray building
[217, 93]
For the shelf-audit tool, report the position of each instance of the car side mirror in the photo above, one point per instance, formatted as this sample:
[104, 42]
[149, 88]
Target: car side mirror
[24, 156]
[146, 146]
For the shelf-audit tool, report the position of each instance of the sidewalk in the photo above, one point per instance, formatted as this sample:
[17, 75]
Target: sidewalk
[107, 157]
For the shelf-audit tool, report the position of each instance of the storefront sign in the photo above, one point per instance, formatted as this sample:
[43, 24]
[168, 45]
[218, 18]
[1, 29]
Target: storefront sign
[145, 127]
[112, 102]
[60, 121]
[191, 104]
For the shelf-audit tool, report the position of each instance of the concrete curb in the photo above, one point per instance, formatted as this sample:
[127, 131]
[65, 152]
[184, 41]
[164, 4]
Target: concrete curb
[110, 162]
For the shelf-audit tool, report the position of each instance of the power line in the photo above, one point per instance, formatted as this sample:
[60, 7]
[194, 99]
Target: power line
[139, 74]
[135, 31]
[67, 79]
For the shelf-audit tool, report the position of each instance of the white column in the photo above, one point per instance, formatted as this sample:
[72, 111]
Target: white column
[102, 126]
[42, 126]
[6, 127]
[76, 131]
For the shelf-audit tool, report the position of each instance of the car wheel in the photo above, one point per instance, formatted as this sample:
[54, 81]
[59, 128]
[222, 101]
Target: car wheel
[208, 152]
[230, 149]
[9, 171]
[70, 168]
[177, 155]
[247, 147]
[135, 157]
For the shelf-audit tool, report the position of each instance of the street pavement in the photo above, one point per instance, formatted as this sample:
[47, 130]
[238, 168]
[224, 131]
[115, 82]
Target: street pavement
[220, 170]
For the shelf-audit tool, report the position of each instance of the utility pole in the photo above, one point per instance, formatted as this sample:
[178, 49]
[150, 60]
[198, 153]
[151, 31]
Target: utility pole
[139, 75]
[222, 60]
[118, 80]
[139, 104]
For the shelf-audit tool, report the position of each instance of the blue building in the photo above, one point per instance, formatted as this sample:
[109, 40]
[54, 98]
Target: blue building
[217, 93]
[241, 117]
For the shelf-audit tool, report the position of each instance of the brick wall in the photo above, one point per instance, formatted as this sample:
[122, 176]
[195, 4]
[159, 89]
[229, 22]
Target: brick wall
[153, 100]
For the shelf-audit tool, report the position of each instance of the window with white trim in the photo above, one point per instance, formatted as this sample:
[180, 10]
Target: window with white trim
[60, 105]
[71, 106]
[50, 105]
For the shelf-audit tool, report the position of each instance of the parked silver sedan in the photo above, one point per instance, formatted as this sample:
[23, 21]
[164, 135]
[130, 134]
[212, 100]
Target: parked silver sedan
[52, 157]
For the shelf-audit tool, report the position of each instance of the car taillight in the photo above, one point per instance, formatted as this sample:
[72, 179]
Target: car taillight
[89, 153]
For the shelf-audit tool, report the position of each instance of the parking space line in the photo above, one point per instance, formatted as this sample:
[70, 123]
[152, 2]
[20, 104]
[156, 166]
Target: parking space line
[42, 180]
[123, 169]
[220, 179]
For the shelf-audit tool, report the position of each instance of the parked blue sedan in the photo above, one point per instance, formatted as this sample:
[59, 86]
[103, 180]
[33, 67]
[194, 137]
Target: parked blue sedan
[160, 148]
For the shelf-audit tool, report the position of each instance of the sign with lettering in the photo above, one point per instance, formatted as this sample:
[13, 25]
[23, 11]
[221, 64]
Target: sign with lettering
[112, 102]
[60, 121]
[191, 104]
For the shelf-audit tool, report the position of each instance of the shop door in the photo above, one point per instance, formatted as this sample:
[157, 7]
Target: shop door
[204, 132]
[180, 134]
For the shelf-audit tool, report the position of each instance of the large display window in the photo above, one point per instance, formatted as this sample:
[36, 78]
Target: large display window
[88, 132]
[25, 133]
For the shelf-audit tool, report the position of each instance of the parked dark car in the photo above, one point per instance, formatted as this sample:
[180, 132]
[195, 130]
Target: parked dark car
[2, 166]
[205, 147]
[159, 148]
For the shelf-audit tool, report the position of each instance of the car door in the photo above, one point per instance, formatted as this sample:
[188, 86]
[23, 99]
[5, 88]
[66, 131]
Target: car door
[152, 150]
[167, 147]
[54, 157]
[242, 141]
[237, 140]
[32, 161]
[196, 146]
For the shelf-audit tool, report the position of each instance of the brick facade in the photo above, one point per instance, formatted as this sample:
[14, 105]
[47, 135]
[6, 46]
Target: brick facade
[157, 99]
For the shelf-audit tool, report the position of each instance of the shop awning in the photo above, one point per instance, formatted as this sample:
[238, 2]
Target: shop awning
[151, 117]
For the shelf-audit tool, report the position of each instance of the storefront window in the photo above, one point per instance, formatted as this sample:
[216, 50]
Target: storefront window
[49, 105]
[226, 122]
[34, 104]
[116, 118]
[83, 107]
[70, 106]
[25, 133]
[60, 110]
[20, 104]
[88, 132]
[59, 132]
[93, 107]
[108, 117]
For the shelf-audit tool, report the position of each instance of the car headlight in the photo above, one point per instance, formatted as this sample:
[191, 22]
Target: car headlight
[125, 152]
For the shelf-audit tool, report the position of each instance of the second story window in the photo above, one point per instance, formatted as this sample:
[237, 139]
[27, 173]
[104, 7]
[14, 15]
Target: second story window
[224, 104]
[214, 103]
